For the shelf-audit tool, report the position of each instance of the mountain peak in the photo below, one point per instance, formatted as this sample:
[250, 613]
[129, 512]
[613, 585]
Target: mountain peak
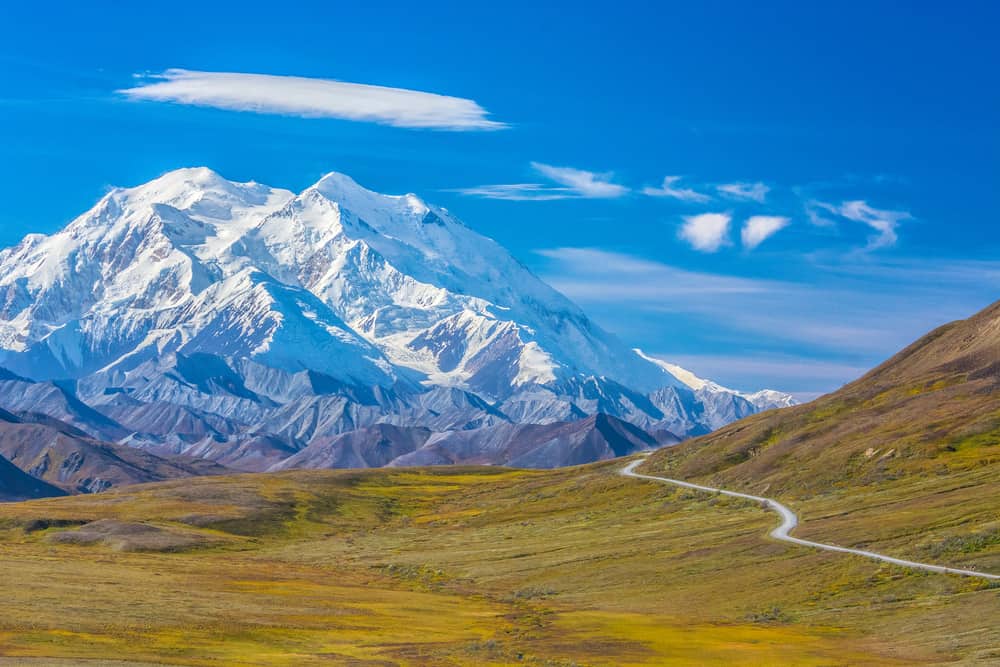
[368, 289]
[188, 177]
[366, 203]
[333, 180]
[204, 193]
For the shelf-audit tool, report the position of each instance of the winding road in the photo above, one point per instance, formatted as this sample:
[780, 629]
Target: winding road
[789, 521]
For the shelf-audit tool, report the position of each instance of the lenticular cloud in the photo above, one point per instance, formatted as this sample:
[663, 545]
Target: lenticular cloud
[313, 98]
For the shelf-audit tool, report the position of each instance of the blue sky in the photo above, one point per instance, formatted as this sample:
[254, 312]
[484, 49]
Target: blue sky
[833, 170]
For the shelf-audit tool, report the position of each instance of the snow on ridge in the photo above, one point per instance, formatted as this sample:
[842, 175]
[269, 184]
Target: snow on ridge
[359, 285]
[763, 399]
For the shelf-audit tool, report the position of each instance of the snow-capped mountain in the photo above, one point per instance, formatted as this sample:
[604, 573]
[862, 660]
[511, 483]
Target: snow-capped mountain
[765, 399]
[242, 310]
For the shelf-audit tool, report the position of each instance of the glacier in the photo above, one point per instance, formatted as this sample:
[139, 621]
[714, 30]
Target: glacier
[242, 323]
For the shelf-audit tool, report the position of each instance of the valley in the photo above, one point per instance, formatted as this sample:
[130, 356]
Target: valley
[473, 565]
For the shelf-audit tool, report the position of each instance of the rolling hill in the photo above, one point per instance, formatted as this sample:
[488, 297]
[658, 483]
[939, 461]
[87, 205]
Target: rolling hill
[460, 566]
[931, 411]
[906, 457]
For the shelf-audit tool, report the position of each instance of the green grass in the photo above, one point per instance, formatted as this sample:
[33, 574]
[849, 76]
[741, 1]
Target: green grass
[479, 566]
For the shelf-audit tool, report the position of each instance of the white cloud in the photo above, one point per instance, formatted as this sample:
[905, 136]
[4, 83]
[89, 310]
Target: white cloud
[884, 222]
[815, 217]
[572, 184]
[586, 184]
[758, 228]
[313, 98]
[517, 192]
[752, 191]
[706, 232]
[668, 190]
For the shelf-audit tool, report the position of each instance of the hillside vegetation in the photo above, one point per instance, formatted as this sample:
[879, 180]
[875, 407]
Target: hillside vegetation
[907, 457]
[456, 566]
[931, 410]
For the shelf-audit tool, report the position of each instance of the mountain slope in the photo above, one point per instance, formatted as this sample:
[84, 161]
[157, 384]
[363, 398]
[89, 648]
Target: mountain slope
[516, 445]
[65, 457]
[554, 445]
[931, 411]
[58, 401]
[193, 262]
[16, 485]
[759, 401]
[371, 447]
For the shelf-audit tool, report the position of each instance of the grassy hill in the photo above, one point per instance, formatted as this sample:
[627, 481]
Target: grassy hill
[907, 457]
[933, 409]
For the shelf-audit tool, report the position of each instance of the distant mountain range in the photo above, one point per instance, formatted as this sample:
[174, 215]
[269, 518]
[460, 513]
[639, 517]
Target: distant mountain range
[233, 322]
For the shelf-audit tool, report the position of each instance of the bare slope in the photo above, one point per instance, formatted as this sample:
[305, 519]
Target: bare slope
[15, 484]
[67, 458]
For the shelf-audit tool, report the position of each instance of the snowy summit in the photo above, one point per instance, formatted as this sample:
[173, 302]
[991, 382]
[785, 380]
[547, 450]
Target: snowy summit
[362, 307]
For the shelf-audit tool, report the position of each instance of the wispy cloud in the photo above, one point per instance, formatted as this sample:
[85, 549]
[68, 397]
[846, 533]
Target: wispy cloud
[967, 273]
[313, 98]
[758, 228]
[706, 232]
[884, 222]
[569, 183]
[669, 190]
[588, 184]
[518, 192]
[816, 217]
[749, 191]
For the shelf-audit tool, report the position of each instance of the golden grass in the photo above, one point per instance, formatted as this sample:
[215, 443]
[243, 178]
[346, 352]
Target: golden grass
[471, 567]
